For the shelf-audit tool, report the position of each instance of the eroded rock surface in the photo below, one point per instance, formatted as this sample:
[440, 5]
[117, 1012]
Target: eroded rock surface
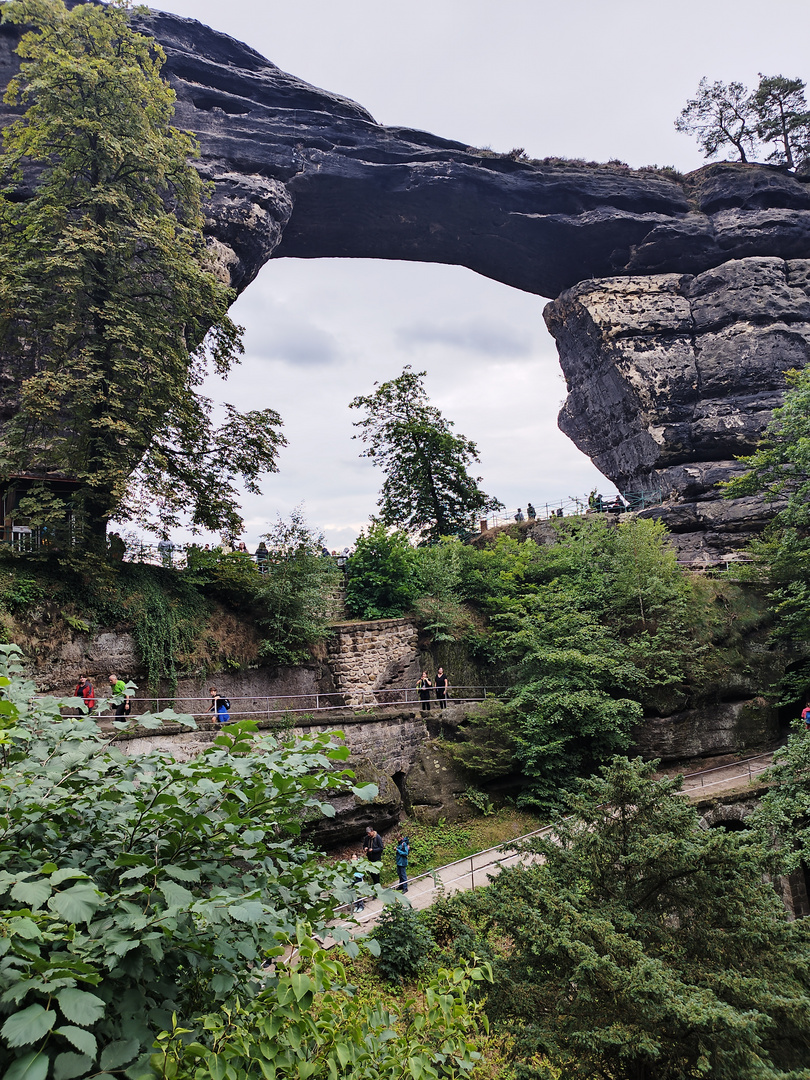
[673, 376]
[682, 303]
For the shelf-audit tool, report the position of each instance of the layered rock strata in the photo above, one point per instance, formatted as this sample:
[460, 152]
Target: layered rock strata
[682, 302]
[671, 377]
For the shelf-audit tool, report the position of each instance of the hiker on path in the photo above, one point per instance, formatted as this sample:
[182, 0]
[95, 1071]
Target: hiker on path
[806, 716]
[373, 850]
[423, 686]
[442, 686]
[220, 706]
[85, 691]
[403, 850]
[119, 689]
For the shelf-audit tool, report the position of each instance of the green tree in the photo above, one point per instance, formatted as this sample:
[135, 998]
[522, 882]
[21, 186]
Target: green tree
[587, 631]
[382, 575]
[133, 888]
[722, 114]
[783, 118]
[647, 948]
[110, 309]
[427, 487]
[294, 591]
[781, 816]
[310, 1023]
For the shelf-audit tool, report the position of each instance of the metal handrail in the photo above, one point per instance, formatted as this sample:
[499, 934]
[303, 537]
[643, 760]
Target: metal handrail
[321, 701]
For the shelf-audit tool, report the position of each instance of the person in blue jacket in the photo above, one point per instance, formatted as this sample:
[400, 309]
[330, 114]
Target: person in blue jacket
[403, 850]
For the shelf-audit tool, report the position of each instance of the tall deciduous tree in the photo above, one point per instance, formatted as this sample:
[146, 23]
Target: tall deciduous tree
[648, 948]
[427, 487]
[110, 310]
[721, 114]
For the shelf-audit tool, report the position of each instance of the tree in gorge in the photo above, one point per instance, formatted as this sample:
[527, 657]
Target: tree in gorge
[427, 487]
[110, 311]
[643, 946]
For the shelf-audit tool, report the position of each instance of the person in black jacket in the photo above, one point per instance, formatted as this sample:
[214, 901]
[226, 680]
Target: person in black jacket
[441, 685]
[373, 850]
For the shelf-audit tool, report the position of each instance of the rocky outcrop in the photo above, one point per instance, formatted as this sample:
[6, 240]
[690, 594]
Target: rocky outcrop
[673, 376]
[682, 302]
[707, 731]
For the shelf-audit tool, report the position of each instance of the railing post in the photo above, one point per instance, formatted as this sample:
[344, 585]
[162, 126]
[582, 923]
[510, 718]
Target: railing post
[472, 874]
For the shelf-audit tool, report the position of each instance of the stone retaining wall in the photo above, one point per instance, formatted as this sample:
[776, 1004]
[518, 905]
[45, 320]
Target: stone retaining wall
[361, 655]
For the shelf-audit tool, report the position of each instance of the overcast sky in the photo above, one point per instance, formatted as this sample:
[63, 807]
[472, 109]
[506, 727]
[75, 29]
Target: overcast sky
[596, 79]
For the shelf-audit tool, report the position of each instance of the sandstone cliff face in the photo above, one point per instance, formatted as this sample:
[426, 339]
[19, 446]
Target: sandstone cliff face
[673, 376]
[681, 305]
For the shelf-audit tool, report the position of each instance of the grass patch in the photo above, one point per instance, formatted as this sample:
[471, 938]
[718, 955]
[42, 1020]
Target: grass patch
[436, 845]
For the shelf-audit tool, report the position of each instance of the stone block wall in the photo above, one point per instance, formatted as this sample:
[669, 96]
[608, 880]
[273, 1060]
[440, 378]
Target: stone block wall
[361, 655]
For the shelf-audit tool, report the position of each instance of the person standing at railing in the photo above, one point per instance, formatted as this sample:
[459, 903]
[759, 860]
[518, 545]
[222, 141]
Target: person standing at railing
[85, 691]
[119, 689]
[403, 850]
[166, 551]
[262, 555]
[531, 512]
[442, 686]
[220, 706]
[423, 686]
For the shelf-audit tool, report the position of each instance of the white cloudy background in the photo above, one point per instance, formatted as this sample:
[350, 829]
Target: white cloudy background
[595, 79]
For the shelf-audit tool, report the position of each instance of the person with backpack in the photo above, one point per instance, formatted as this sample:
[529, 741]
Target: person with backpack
[806, 716]
[373, 850]
[220, 706]
[403, 850]
[85, 691]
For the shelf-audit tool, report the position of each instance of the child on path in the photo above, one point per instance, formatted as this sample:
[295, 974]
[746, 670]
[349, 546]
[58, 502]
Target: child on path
[220, 706]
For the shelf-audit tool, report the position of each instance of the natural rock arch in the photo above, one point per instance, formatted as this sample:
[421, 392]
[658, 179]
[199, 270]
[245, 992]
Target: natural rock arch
[676, 307]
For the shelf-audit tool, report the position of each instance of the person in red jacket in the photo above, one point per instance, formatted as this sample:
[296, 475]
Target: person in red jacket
[85, 691]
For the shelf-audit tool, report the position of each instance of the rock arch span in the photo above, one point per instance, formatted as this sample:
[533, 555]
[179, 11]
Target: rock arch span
[676, 306]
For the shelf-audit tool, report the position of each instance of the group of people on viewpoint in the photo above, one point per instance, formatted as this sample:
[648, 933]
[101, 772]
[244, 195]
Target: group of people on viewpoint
[440, 687]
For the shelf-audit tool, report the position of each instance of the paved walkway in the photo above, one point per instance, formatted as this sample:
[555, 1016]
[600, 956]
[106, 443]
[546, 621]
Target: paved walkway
[476, 870]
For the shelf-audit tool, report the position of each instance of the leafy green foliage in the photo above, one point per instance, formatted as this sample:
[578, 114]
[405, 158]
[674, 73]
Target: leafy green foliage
[309, 1023]
[294, 590]
[427, 488]
[586, 630]
[137, 887]
[167, 616]
[783, 119]
[108, 302]
[404, 942]
[648, 947]
[721, 114]
[781, 819]
[381, 575]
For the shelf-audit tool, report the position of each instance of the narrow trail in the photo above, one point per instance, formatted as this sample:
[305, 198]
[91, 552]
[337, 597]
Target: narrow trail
[475, 871]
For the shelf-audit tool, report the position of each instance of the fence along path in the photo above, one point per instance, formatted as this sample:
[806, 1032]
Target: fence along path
[475, 871]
